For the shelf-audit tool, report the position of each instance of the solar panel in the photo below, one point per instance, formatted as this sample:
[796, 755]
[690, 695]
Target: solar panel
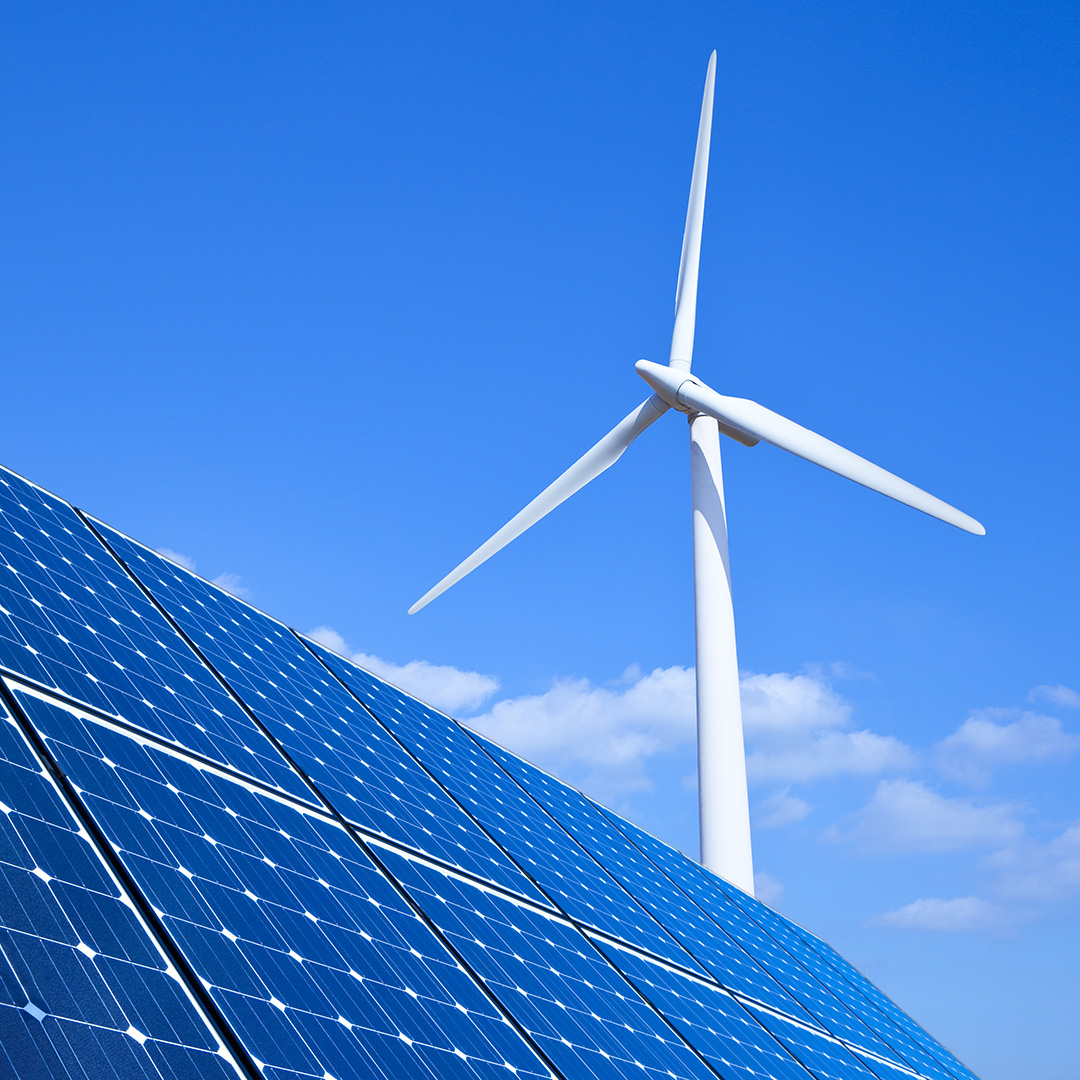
[227, 852]
[351, 758]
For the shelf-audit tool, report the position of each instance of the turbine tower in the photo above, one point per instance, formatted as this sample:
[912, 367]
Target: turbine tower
[723, 806]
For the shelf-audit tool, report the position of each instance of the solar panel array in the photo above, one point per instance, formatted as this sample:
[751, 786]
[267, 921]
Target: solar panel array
[226, 851]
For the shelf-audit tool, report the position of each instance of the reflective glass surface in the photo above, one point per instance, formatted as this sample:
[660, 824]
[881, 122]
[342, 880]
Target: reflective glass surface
[712, 948]
[703, 889]
[551, 857]
[582, 1013]
[72, 618]
[314, 958]
[731, 1040]
[84, 991]
[825, 1058]
[354, 761]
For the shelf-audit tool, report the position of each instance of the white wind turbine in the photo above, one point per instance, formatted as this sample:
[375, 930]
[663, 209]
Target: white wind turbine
[722, 797]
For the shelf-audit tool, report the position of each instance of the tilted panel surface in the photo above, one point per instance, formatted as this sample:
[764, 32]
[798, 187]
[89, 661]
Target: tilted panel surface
[887, 1006]
[313, 957]
[565, 872]
[700, 886]
[794, 942]
[72, 618]
[84, 991]
[683, 919]
[354, 762]
[826, 1059]
[728, 1036]
[582, 1013]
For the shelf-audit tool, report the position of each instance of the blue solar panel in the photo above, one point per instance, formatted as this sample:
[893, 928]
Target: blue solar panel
[71, 618]
[356, 764]
[314, 958]
[822, 1056]
[560, 866]
[584, 1015]
[683, 919]
[933, 1049]
[477, 917]
[728, 1036]
[794, 942]
[84, 990]
[703, 888]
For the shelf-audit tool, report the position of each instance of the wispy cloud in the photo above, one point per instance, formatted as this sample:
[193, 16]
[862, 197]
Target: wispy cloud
[447, 688]
[231, 583]
[779, 809]
[766, 888]
[981, 743]
[1044, 871]
[599, 737]
[186, 561]
[905, 815]
[962, 913]
[1056, 695]
[794, 731]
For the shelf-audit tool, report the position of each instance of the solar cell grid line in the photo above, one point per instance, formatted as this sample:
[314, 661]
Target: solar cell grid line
[794, 942]
[700, 886]
[72, 619]
[886, 1005]
[85, 989]
[685, 921]
[353, 761]
[562, 869]
[313, 956]
[826, 1058]
[577, 1007]
[727, 1036]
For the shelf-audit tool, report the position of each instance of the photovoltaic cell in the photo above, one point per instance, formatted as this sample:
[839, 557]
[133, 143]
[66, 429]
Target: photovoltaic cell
[356, 764]
[702, 888]
[825, 1058]
[585, 1016]
[84, 991]
[730, 1039]
[683, 919]
[562, 869]
[71, 618]
[791, 940]
[889, 1008]
[283, 935]
[315, 960]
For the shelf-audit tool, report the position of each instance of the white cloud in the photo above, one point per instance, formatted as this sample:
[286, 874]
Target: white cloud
[447, 688]
[231, 584]
[601, 736]
[186, 561]
[793, 724]
[779, 809]
[905, 815]
[835, 753]
[1056, 695]
[783, 704]
[766, 888]
[981, 742]
[1040, 871]
[962, 913]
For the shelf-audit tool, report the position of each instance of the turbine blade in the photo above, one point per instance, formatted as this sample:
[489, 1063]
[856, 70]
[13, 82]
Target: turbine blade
[682, 337]
[602, 456]
[768, 426]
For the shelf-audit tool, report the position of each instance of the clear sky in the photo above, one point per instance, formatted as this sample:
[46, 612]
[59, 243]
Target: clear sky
[319, 295]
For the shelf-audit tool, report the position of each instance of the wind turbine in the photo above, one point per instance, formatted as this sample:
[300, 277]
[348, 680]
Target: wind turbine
[723, 804]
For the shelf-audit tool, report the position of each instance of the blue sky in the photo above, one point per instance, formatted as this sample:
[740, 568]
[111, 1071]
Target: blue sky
[320, 295]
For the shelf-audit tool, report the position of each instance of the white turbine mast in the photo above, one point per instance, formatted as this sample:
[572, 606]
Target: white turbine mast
[722, 797]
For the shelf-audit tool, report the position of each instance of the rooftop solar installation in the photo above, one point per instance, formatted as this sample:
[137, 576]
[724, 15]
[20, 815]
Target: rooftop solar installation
[226, 851]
